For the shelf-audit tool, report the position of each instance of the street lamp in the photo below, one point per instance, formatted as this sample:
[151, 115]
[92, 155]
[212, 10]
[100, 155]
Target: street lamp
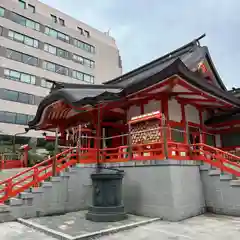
[14, 138]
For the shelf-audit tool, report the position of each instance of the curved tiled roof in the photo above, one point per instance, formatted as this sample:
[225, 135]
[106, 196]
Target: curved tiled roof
[179, 62]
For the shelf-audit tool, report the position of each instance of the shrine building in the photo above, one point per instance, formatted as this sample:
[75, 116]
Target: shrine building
[181, 91]
[170, 127]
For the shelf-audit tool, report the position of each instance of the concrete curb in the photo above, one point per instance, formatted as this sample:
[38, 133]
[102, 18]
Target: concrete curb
[114, 229]
[46, 230]
[63, 236]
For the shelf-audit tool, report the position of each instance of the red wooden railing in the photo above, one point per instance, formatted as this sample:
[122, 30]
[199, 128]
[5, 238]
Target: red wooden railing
[10, 160]
[9, 164]
[33, 176]
[226, 161]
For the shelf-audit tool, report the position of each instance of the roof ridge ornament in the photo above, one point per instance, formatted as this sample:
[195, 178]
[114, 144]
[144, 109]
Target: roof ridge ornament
[197, 40]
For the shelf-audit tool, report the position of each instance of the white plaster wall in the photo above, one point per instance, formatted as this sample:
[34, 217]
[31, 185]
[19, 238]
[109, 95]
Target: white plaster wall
[192, 114]
[151, 106]
[218, 140]
[133, 111]
[205, 115]
[174, 110]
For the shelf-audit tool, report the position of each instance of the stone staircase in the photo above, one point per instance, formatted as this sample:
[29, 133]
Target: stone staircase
[8, 173]
[221, 191]
[70, 191]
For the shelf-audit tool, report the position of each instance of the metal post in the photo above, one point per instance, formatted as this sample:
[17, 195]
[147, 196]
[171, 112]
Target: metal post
[54, 164]
[14, 139]
[98, 135]
[79, 143]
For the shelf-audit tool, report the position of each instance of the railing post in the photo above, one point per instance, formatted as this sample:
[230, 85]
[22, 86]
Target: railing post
[78, 150]
[165, 137]
[35, 177]
[2, 162]
[8, 189]
[54, 163]
[129, 143]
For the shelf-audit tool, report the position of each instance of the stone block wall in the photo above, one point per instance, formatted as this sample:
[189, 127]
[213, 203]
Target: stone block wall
[170, 192]
[164, 189]
[221, 192]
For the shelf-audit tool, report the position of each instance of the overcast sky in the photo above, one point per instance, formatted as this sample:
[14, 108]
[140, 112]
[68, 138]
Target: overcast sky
[146, 29]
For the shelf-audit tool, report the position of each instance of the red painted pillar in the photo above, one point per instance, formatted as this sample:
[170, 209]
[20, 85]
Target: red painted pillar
[25, 155]
[202, 127]
[62, 134]
[98, 127]
[164, 106]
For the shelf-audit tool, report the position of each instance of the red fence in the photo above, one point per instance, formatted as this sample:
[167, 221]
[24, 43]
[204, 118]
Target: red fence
[9, 164]
[159, 150]
[10, 160]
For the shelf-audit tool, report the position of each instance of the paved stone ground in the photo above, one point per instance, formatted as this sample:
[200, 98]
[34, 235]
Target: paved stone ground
[17, 231]
[7, 173]
[75, 224]
[205, 227]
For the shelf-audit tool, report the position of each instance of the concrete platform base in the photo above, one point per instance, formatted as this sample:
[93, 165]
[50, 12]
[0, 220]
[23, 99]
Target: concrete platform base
[74, 225]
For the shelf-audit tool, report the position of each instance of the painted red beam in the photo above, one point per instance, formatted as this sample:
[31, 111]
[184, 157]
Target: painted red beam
[197, 100]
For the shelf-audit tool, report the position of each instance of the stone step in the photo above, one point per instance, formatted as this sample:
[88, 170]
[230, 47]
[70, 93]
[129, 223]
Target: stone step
[25, 195]
[14, 202]
[5, 214]
[204, 166]
[226, 177]
[214, 172]
[235, 183]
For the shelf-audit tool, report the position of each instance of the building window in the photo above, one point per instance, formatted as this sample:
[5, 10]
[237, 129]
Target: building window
[23, 39]
[21, 57]
[2, 10]
[61, 21]
[31, 8]
[54, 18]
[55, 50]
[7, 117]
[88, 78]
[53, 33]
[21, 119]
[82, 76]
[62, 53]
[89, 63]
[30, 118]
[22, 4]
[77, 75]
[78, 58]
[25, 22]
[55, 68]
[8, 95]
[84, 46]
[15, 118]
[46, 84]
[51, 49]
[19, 76]
[84, 61]
[15, 96]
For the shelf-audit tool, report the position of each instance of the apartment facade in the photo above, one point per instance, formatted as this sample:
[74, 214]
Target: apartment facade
[39, 43]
